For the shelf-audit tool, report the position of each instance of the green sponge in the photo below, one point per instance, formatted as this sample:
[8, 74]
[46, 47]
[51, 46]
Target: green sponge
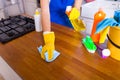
[89, 44]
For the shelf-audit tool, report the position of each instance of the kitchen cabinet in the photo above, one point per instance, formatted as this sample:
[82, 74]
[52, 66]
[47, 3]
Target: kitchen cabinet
[9, 9]
[1, 10]
[30, 6]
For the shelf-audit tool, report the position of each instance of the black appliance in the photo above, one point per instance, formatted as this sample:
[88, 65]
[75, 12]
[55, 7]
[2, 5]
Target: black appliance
[14, 27]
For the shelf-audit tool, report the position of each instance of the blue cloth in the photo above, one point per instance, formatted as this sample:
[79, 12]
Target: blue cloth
[55, 55]
[117, 16]
[106, 22]
[57, 12]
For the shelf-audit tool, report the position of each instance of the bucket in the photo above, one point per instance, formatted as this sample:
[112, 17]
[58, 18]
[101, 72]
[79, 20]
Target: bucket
[114, 42]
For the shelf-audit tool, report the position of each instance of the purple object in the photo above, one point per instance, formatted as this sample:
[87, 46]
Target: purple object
[104, 53]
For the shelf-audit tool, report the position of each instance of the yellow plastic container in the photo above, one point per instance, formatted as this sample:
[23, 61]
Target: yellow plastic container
[114, 42]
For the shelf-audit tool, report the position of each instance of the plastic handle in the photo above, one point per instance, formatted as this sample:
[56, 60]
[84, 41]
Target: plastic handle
[99, 16]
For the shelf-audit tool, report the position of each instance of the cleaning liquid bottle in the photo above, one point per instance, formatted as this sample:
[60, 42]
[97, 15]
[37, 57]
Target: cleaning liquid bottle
[99, 16]
[37, 20]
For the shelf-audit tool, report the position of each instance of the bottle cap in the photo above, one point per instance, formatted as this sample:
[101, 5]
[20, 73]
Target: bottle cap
[100, 15]
[37, 12]
[68, 9]
[105, 53]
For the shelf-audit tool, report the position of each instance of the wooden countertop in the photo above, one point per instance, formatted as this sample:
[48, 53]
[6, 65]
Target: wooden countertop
[74, 62]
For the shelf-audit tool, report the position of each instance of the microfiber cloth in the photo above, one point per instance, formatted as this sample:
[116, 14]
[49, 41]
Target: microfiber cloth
[106, 22]
[55, 54]
[117, 16]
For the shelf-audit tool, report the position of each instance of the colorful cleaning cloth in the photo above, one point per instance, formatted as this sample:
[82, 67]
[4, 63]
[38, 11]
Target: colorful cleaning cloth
[106, 22]
[55, 55]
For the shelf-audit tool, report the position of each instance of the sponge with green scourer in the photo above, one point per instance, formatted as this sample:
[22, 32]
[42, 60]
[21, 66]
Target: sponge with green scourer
[89, 44]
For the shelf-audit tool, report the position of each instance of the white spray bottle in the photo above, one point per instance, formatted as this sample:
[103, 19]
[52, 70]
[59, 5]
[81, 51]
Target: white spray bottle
[37, 20]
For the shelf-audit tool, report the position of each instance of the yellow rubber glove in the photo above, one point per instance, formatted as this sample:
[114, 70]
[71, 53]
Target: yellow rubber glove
[74, 14]
[49, 39]
[78, 24]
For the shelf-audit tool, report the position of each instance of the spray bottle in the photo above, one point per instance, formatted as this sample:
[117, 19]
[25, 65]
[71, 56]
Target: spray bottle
[99, 16]
[37, 20]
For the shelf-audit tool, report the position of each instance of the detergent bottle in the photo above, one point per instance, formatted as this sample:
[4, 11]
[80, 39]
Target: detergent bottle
[99, 16]
[37, 20]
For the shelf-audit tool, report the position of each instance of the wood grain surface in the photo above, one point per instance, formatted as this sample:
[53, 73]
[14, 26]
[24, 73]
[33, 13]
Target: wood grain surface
[74, 62]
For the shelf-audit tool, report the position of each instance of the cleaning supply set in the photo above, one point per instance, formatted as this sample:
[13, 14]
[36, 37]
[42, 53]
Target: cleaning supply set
[100, 29]
[112, 33]
[91, 42]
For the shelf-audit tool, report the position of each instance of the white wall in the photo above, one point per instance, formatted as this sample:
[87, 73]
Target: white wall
[30, 7]
[9, 9]
[1, 10]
